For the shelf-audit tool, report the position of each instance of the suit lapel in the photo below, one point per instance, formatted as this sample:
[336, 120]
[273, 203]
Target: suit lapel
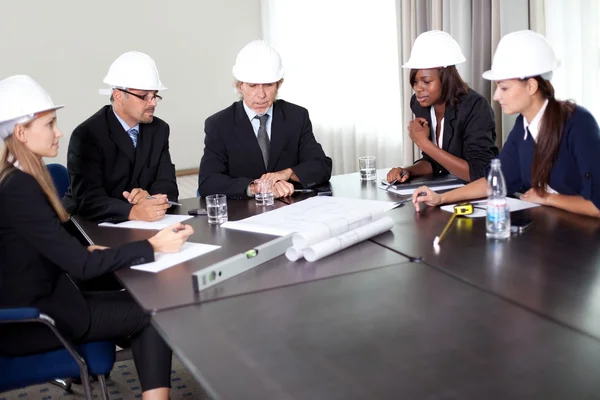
[143, 149]
[449, 127]
[246, 136]
[118, 135]
[278, 136]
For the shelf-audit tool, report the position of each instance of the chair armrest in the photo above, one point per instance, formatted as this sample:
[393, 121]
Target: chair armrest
[18, 314]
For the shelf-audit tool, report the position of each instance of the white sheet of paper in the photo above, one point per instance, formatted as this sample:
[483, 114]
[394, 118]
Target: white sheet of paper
[306, 214]
[404, 192]
[167, 220]
[167, 260]
[513, 205]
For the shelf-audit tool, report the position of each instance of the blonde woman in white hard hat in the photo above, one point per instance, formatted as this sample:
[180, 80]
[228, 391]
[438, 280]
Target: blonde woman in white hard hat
[37, 253]
[454, 125]
[259, 136]
[119, 157]
[551, 154]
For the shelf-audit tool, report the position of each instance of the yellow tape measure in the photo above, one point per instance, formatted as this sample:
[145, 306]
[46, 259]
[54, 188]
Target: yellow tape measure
[459, 209]
[463, 209]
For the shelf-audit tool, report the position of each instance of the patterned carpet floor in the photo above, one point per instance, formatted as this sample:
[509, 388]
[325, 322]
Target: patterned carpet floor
[123, 384]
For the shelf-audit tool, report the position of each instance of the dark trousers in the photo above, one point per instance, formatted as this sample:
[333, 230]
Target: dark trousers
[115, 316]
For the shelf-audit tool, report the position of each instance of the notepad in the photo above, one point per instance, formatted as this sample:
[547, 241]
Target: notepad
[167, 220]
[163, 261]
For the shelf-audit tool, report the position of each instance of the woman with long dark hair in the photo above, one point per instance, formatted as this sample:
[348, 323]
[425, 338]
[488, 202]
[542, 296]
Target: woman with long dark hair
[37, 252]
[551, 154]
[454, 126]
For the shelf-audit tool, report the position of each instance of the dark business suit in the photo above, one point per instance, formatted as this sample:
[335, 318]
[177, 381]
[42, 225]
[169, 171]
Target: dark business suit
[469, 133]
[103, 163]
[232, 158]
[37, 253]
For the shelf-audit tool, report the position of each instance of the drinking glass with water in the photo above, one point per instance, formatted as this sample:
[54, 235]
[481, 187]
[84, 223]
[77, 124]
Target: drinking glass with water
[263, 192]
[368, 168]
[216, 207]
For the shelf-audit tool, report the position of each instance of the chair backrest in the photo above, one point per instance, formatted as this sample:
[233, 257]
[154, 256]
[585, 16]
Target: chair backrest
[60, 176]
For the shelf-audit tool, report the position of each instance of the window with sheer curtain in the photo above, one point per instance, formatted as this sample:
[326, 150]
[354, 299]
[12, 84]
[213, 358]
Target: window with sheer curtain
[573, 29]
[341, 61]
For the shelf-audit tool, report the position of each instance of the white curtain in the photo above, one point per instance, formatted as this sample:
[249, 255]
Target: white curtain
[573, 29]
[341, 60]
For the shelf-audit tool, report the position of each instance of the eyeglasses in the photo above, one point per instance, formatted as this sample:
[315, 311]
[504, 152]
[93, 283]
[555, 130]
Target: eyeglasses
[148, 97]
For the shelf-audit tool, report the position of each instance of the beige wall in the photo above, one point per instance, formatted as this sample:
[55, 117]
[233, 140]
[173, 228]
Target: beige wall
[68, 45]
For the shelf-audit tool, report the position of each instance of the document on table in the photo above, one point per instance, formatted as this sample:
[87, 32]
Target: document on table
[167, 220]
[316, 213]
[163, 261]
[410, 191]
[479, 209]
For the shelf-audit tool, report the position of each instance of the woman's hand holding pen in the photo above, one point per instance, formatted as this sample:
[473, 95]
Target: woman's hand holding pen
[425, 195]
[170, 239]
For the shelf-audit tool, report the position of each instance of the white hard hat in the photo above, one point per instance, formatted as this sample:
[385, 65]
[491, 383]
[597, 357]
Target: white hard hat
[434, 49]
[133, 70]
[258, 62]
[20, 99]
[522, 54]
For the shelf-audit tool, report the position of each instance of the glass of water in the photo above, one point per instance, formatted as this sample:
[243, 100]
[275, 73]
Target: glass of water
[368, 168]
[263, 192]
[216, 207]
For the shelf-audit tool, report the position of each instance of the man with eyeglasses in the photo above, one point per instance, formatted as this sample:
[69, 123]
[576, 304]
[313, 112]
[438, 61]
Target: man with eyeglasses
[118, 159]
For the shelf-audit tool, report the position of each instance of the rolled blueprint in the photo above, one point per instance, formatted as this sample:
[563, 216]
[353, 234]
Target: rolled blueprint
[328, 229]
[345, 240]
[293, 253]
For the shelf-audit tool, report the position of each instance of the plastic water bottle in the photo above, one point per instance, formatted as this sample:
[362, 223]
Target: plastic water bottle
[498, 214]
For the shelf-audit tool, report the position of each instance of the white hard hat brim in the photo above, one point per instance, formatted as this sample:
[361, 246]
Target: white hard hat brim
[413, 65]
[250, 78]
[108, 92]
[492, 75]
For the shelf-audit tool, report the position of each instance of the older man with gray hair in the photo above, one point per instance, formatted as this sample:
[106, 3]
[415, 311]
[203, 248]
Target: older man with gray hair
[260, 137]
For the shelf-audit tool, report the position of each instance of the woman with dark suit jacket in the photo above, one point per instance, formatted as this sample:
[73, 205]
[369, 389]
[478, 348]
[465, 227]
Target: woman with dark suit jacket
[551, 154]
[37, 253]
[454, 125]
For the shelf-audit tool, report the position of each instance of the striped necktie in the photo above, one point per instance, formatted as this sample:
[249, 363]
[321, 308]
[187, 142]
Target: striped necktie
[133, 134]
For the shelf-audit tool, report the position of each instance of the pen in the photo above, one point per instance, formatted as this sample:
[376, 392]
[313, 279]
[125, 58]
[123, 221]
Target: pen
[303, 190]
[402, 202]
[403, 174]
[173, 203]
[392, 183]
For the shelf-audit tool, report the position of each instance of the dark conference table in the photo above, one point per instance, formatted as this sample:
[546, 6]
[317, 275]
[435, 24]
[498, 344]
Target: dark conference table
[552, 269]
[373, 324]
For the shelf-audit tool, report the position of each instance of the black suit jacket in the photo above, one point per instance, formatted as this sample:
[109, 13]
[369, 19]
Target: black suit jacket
[37, 253]
[103, 163]
[469, 133]
[232, 158]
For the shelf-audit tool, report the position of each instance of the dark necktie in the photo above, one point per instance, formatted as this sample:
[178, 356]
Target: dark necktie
[263, 138]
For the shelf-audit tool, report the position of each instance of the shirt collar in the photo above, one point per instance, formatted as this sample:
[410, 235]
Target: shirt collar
[251, 113]
[124, 124]
[534, 126]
